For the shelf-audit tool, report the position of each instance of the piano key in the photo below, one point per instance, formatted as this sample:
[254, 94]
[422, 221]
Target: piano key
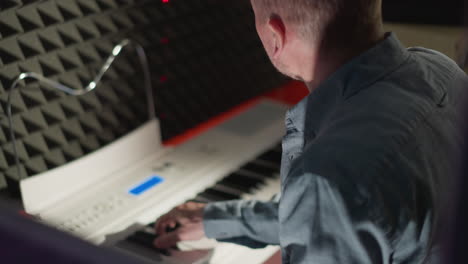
[271, 156]
[228, 189]
[249, 176]
[146, 240]
[210, 197]
[242, 181]
[242, 186]
[278, 148]
[271, 187]
[225, 195]
[200, 199]
[260, 169]
[142, 238]
[273, 166]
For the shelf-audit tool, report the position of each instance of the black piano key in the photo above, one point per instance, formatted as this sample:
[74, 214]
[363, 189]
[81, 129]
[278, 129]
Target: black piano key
[278, 148]
[142, 238]
[168, 229]
[146, 240]
[195, 200]
[225, 195]
[210, 197]
[241, 187]
[228, 189]
[271, 156]
[243, 181]
[201, 199]
[260, 169]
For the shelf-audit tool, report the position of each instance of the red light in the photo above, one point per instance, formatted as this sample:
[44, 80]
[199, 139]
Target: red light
[165, 40]
[165, 1]
[163, 78]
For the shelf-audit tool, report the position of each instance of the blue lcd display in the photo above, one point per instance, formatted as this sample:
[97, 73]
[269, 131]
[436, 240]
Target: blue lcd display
[146, 185]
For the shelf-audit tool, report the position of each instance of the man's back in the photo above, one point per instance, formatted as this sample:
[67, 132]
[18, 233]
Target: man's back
[381, 135]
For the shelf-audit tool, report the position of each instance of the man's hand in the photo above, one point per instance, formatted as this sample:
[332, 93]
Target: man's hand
[188, 218]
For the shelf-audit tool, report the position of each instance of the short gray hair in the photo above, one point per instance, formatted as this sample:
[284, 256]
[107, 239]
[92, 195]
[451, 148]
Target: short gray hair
[322, 18]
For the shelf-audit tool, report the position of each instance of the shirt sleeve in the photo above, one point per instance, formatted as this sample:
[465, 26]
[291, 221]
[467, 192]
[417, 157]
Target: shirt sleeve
[316, 227]
[249, 223]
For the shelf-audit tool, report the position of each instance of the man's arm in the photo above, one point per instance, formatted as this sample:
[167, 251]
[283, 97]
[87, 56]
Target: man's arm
[249, 223]
[316, 226]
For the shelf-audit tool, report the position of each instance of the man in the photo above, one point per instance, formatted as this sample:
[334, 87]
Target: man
[366, 155]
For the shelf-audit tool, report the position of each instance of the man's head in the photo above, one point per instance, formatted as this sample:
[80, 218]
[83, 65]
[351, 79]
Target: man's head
[296, 33]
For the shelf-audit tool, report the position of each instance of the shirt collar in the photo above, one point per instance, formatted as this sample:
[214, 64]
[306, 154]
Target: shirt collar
[357, 74]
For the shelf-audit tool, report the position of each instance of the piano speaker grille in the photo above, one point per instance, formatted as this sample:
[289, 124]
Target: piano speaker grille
[204, 56]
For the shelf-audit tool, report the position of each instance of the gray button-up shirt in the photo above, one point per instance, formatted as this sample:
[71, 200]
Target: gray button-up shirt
[365, 159]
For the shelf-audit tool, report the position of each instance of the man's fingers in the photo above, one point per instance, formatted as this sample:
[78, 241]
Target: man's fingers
[168, 240]
[170, 220]
[164, 220]
[161, 228]
[183, 214]
[192, 231]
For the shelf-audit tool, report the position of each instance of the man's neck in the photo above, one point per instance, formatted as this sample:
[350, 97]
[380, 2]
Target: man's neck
[330, 60]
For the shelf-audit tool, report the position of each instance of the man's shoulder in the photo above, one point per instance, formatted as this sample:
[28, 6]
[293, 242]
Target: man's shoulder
[432, 56]
[378, 121]
[433, 67]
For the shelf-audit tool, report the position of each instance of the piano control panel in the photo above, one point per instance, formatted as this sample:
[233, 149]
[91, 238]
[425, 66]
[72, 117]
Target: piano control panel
[76, 223]
[106, 206]
[148, 184]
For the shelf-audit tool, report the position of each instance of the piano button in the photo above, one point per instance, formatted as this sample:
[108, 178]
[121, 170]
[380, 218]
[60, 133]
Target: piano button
[225, 195]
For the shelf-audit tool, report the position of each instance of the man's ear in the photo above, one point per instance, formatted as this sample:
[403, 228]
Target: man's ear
[278, 29]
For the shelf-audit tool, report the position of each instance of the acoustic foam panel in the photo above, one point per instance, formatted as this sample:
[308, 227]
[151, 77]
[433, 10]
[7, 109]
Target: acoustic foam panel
[204, 57]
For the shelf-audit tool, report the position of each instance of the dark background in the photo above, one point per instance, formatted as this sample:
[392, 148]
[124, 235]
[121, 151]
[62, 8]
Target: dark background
[448, 12]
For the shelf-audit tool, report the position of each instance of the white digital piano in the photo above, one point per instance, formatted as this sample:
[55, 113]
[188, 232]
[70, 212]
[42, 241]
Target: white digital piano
[112, 197]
